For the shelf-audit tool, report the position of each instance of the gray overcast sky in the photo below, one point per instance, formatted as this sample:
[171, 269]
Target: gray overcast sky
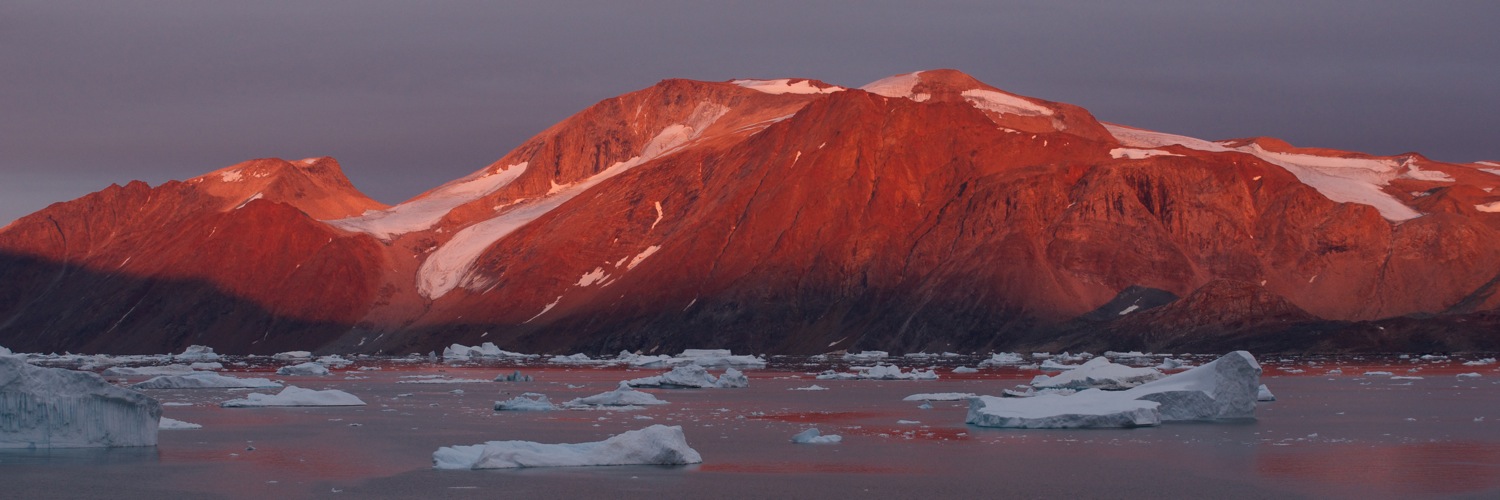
[408, 95]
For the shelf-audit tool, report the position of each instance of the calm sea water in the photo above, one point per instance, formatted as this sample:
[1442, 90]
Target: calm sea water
[1341, 435]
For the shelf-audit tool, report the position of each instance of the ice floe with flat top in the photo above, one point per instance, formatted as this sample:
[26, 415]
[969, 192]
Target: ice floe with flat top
[172, 424]
[1263, 393]
[623, 395]
[44, 407]
[530, 401]
[879, 372]
[939, 396]
[709, 358]
[814, 436]
[693, 377]
[1002, 359]
[197, 353]
[654, 445]
[1223, 389]
[292, 356]
[305, 369]
[1098, 373]
[864, 356]
[205, 380]
[295, 396]
[148, 371]
[485, 350]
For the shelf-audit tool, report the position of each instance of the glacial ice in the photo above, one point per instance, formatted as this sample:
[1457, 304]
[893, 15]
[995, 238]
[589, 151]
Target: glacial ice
[197, 353]
[623, 395]
[814, 436]
[854, 357]
[1002, 359]
[693, 377]
[654, 445]
[205, 380]
[514, 376]
[125, 371]
[172, 424]
[708, 358]
[1224, 388]
[292, 356]
[295, 396]
[879, 372]
[56, 408]
[530, 401]
[1264, 394]
[1098, 373]
[207, 365]
[965, 369]
[939, 396]
[305, 369]
[485, 350]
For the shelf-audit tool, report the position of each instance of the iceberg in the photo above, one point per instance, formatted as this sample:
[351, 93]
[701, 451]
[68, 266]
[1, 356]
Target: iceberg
[623, 395]
[965, 369]
[1098, 373]
[693, 377]
[514, 376]
[654, 445]
[5, 352]
[879, 372]
[172, 424]
[1223, 389]
[866, 356]
[1264, 394]
[197, 353]
[56, 408]
[1002, 359]
[295, 396]
[939, 396]
[292, 356]
[813, 436]
[485, 350]
[530, 401]
[205, 380]
[309, 369]
[151, 371]
[207, 365]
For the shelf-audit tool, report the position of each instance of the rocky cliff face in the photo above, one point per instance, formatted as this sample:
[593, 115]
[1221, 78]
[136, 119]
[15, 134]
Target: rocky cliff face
[924, 211]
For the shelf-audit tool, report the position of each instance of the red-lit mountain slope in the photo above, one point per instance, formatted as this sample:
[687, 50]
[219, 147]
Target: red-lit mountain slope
[923, 211]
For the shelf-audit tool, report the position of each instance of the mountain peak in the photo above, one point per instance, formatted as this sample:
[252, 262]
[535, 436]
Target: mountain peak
[314, 185]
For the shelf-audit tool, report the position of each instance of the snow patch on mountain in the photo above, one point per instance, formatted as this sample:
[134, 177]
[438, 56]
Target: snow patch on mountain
[425, 211]
[786, 86]
[451, 265]
[1344, 180]
[899, 86]
[1138, 154]
[1003, 103]
[1492, 207]
[642, 256]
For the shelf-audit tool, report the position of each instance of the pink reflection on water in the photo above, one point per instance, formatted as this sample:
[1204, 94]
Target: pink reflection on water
[1425, 468]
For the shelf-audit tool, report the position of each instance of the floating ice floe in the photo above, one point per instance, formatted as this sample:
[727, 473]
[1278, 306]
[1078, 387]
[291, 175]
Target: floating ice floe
[1469, 375]
[865, 356]
[577, 359]
[1002, 359]
[305, 369]
[623, 395]
[693, 377]
[148, 371]
[205, 380]
[1223, 389]
[654, 445]
[1098, 373]
[708, 358]
[445, 380]
[965, 369]
[292, 356]
[295, 396]
[171, 424]
[1480, 362]
[485, 350]
[514, 376]
[879, 372]
[57, 408]
[814, 387]
[1378, 374]
[939, 396]
[334, 361]
[5, 352]
[813, 436]
[530, 401]
[207, 365]
[1264, 394]
[197, 353]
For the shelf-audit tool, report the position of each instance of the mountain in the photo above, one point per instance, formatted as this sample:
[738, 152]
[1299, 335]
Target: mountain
[922, 211]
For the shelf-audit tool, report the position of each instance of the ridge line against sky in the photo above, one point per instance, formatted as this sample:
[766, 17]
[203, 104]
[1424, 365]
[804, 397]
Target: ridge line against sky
[410, 95]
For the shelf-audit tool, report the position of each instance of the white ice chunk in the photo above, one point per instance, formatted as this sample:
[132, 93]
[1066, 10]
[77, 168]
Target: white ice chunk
[856, 357]
[292, 356]
[149, 371]
[879, 372]
[305, 369]
[295, 396]
[623, 395]
[1099, 373]
[197, 353]
[1002, 359]
[1224, 388]
[210, 365]
[57, 408]
[485, 350]
[172, 424]
[654, 445]
[530, 401]
[1264, 394]
[205, 380]
[939, 396]
[813, 436]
